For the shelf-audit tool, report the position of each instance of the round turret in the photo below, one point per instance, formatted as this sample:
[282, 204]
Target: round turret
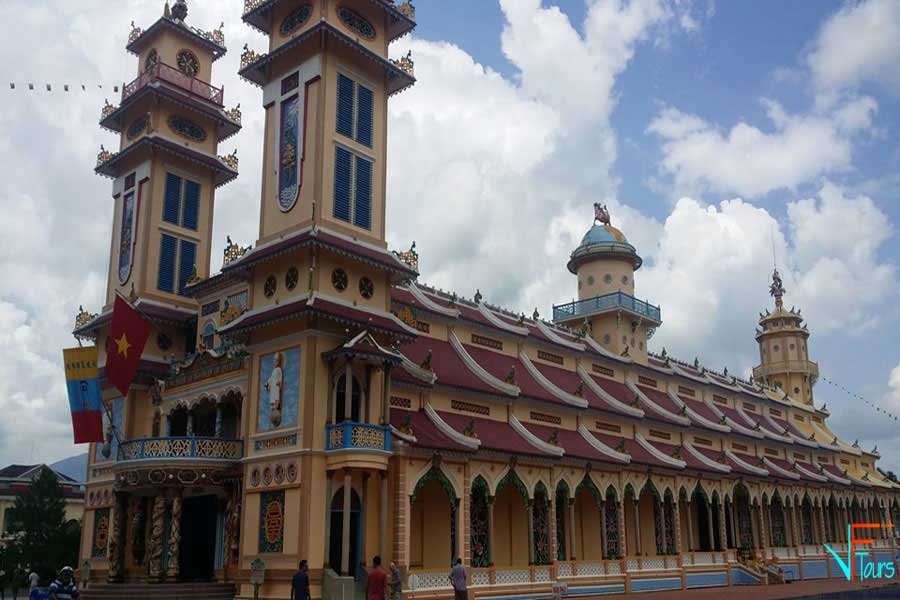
[605, 261]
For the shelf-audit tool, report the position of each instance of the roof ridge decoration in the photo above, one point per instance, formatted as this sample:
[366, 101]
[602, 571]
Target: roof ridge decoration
[712, 464]
[745, 465]
[604, 352]
[696, 417]
[556, 338]
[496, 321]
[722, 384]
[764, 430]
[363, 308]
[836, 440]
[444, 427]
[418, 371]
[532, 439]
[606, 397]
[856, 480]
[790, 434]
[778, 470]
[549, 386]
[479, 371]
[735, 426]
[807, 473]
[653, 406]
[408, 438]
[832, 477]
[676, 367]
[661, 456]
[600, 447]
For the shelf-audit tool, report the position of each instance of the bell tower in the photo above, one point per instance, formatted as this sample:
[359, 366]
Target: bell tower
[170, 121]
[326, 80]
[605, 263]
[783, 351]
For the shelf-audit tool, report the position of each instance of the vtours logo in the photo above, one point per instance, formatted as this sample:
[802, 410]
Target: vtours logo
[870, 569]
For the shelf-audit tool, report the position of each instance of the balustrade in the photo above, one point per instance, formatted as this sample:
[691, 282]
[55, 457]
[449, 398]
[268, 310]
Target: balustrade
[204, 448]
[172, 75]
[350, 435]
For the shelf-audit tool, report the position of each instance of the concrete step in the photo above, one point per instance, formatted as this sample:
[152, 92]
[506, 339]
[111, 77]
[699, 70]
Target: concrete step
[161, 591]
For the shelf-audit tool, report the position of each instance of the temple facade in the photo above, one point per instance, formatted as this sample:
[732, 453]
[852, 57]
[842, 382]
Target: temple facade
[313, 400]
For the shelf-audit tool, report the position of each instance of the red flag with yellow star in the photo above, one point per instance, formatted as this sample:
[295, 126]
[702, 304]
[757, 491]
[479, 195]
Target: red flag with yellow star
[127, 335]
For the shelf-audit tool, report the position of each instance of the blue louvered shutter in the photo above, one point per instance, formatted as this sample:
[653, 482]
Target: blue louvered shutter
[345, 94]
[364, 117]
[191, 204]
[172, 199]
[186, 261]
[165, 279]
[362, 213]
[342, 172]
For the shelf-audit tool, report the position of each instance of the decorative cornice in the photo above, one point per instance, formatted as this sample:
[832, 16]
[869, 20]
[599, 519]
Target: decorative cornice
[696, 417]
[532, 439]
[765, 431]
[556, 338]
[654, 407]
[499, 323]
[714, 465]
[601, 447]
[444, 427]
[660, 456]
[745, 465]
[807, 473]
[606, 397]
[430, 304]
[549, 386]
[479, 371]
[772, 467]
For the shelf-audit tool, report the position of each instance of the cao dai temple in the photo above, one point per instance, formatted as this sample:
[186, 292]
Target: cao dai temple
[313, 400]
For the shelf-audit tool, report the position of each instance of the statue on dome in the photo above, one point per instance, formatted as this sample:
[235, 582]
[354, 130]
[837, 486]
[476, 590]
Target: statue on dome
[601, 213]
[777, 287]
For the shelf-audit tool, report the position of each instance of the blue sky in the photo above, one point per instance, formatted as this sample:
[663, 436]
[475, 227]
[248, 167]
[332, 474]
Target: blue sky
[713, 129]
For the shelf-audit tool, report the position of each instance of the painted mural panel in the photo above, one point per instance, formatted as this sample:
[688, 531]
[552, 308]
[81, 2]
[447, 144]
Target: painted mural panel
[279, 389]
[289, 174]
[271, 522]
[126, 235]
[101, 533]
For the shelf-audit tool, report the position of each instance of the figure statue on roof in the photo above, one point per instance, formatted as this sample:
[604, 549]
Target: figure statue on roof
[601, 213]
[777, 288]
[180, 10]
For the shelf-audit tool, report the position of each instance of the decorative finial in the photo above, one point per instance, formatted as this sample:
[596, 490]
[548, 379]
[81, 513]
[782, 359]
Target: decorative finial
[777, 289]
[601, 214]
[521, 320]
[478, 296]
[696, 363]
[664, 353]
[167, 12]
[535, 315]
[180, 10]
[725, 372]
[426, 362]
[453, 300]
[511, 376]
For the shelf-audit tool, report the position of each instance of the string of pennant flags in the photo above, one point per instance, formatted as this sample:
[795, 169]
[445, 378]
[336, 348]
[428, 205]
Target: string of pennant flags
[49, 87]
[869, 403]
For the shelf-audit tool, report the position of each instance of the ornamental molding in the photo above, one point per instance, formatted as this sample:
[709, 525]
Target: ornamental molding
[773, 468]
[699, 456]
[556, 338]
[549, 386]
[600, 447]
[745, 465]
[496, 321]
[735, 426]
[765, 431]
[654, 407]
[660, 456]
[807, 473]
[532, 439]
[430, 304]
[607, 397]
[480, 372]
[694, 416]
[444, 427]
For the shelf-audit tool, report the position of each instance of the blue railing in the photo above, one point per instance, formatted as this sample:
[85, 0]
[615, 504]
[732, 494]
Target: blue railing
[206, 448]
[612, 301]
[357, 436]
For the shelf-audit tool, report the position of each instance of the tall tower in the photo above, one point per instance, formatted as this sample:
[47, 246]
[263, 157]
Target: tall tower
[170, 121]
[783, 352]
[605, 264]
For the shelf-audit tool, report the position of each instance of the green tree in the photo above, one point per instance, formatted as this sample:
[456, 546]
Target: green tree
[43, 540]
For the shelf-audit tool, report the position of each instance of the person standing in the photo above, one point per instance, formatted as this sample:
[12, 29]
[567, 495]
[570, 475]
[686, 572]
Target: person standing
[64, 588]
[459, 581]
[300, 582]
[396, 582]
[34, 580]
[376, 581]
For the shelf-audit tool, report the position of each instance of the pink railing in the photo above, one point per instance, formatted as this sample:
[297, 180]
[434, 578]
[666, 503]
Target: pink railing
[164, 72]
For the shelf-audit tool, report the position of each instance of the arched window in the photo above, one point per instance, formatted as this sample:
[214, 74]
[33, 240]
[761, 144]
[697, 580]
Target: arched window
[340, 408]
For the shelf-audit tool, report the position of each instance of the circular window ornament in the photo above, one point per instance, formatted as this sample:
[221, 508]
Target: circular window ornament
[152, 60]
[291, 278]
[356, 22]
[137, 126]
[591, 280]
[791, 346]
[624, 279]
[366, 288]
[339, 279]
[607, 279]
[187, 63]
[270, 286]
[775, 348]
[187, 128]
[607, 338]
[295, 19]
[796, 390]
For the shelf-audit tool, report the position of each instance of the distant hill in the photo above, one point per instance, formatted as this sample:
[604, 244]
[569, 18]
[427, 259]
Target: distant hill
[74, 467]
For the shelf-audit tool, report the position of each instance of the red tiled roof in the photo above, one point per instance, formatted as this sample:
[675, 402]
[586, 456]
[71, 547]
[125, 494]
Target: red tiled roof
[571, 441]
[494, 435]
[837, 472]
[702, 409]
[687, 457]
[764, 427]
[426, 433]
[713, 455]
[662, 400]
[499, 366]
[446, 364]
[640, 455]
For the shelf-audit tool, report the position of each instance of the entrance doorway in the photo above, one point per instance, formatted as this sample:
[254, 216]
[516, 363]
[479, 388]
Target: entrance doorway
[198, 538]
[336, 535]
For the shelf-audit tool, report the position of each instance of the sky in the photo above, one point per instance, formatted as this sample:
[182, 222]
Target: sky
[724, 137]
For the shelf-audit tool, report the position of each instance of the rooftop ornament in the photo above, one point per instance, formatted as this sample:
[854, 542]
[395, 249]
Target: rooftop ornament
[405, 64]
[195, 277]
[601, 214]
[234, 114]
[233, 251]
[180, 10]
[231, 160]
[250, 5]
[218, 35]
[410, 257]
[777, 289]
[406, 9]
[248, 56]
[135, 33]
[104, 155]
[478, 296]
[108, 109]
[83, 317]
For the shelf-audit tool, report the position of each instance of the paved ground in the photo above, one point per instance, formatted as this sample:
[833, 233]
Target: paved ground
[822, 590]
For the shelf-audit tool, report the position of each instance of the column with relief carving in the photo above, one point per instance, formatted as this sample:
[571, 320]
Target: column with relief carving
[157, 529]
[116, 544]
[174, 536]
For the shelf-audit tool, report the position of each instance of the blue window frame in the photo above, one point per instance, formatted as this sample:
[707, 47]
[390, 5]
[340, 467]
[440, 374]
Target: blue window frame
[364, 116]
[362, 209]
[343, 161]
[355, 110]
[186, 262]
[345, 93]
[181, 202]
[172, 200]
[165, 279]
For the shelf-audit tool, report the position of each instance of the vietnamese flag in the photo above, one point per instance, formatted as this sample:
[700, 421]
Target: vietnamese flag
[127, 336]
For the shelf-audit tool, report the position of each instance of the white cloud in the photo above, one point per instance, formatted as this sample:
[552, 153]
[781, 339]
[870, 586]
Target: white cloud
[749, 161]
[858, 44]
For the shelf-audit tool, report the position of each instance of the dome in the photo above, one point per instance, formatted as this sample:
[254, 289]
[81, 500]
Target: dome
[603, 234]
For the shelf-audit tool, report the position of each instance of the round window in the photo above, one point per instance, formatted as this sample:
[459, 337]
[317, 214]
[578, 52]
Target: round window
[366, 287]
[270, 286]
[624, 279]
[187, 63]
[607, 338]
[590, 280]
[607, 278]
[791, 346]
[339, 279]
[775, 348]
[796, 390]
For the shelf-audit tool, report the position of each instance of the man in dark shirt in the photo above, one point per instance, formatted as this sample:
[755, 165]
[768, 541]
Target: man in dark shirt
[300, 583]
[376, 582]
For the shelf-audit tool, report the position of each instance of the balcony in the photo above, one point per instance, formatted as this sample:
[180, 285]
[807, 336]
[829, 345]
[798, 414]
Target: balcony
[171, 75]
[357, 436]
[606, 303]
[181, 448]
[762, 372]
